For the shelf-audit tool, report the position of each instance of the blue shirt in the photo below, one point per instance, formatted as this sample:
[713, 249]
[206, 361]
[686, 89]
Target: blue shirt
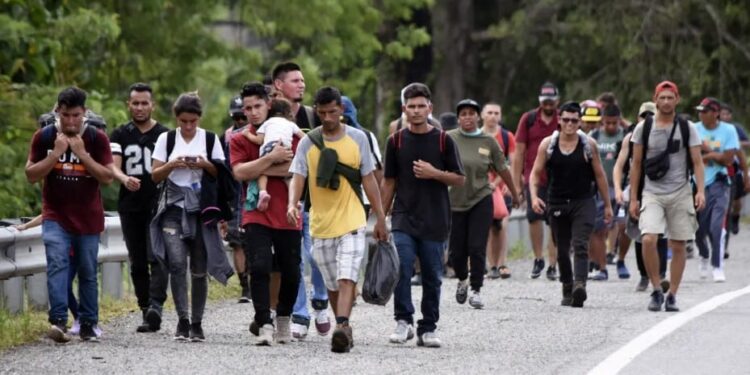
[723, 138]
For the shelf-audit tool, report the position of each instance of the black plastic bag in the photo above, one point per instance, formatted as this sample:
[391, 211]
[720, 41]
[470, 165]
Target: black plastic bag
[382, 274]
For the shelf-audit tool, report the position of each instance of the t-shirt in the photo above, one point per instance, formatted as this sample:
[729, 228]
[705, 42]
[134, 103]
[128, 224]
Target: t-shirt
[243, 151]
[334, 213]
[421, 207]
[676, 177]
[479, 154]
[720, 139]
[71, 195]
[186, 177]
[136, 149]
[278, 129]
[608, 149]
[533, 137]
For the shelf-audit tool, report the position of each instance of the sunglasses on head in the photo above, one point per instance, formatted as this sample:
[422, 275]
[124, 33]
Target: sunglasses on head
[571, 120]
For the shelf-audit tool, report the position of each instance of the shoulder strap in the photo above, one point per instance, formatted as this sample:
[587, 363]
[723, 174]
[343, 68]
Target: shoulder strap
[210, 140]
[685, 134]
[48, 133]
[506, 140]
[530, 118]
[595, 135]
[171, 135]
[647, 124]
[442, 142]
[310, 116]
[369, 135]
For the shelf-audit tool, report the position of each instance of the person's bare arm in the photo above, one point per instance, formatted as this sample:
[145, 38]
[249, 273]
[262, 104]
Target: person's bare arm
[370, 185]
[636, 169]
[424, 170]
[601, 180]
[265, 165]
[622, 158]
[37, 171]
[388, 192]
[698, 172]
[536, 174]
[131, 183]
[517, 165]
[102, 173]
[255, 138]
[508, 179]
[295, 194]
[35, 222]
[724, 158]
[161, 170]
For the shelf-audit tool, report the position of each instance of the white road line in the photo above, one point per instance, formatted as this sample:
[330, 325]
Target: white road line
[621, 358]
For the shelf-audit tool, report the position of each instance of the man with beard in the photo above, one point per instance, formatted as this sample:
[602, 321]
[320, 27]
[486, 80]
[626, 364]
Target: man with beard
[533, 127]
[132, 145]
[72, 159]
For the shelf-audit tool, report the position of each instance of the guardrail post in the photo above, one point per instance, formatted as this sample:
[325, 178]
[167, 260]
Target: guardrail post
[112, 279]
[37, 289]
[13, 295]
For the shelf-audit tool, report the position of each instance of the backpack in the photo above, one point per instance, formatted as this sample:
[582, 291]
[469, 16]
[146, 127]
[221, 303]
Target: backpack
[310, 117]
[684, 133]
[396, 139]
[506, 140]
[587, 151]
[352, 175]
[430, 120]
[530, 119]
[378, 164]
[49, 132]
[90, 118]
[225, 183]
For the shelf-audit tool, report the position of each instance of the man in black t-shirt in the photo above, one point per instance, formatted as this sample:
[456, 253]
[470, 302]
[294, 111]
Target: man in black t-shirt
[132, 145]
[420, 163]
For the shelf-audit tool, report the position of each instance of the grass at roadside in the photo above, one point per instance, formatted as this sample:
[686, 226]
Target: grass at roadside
[29, 326]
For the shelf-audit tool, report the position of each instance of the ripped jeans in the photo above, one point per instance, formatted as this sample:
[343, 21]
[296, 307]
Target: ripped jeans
[178, 250]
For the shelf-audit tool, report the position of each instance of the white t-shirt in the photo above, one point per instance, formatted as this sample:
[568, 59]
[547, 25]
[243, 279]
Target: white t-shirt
[377, 157]
[278, 129]
[197, 147]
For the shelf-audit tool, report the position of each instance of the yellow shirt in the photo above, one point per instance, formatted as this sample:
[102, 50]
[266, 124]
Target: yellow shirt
[334, 213]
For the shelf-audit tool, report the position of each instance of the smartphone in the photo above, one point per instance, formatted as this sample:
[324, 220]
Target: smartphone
[190, 159]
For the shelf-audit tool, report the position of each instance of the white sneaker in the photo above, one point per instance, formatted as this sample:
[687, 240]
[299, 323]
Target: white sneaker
[265, 337]
[719, 276]
[322, 322]
[283, 332]
[429, 340]
[299, 331]
[475, 300]
[75, 329]
[404, 332]
[703, 268]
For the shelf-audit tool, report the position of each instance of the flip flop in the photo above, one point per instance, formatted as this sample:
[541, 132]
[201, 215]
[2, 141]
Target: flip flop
[504, 272]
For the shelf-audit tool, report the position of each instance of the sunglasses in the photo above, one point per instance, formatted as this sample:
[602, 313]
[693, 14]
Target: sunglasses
[571, 120]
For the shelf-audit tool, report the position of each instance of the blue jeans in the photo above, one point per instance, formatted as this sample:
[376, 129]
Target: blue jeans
[301, 314]
[711, 222]
[430, 255]
[57, 243]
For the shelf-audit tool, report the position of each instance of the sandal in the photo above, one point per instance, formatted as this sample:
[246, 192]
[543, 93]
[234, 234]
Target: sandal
[504, 272]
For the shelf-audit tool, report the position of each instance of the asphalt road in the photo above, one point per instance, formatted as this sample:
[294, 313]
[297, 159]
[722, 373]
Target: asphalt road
[522, 330]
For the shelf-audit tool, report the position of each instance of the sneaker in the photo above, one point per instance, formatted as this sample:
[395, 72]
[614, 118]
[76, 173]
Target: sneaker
[475, 300]
[552, 273]
[664, 285]
[670, 304]
[579, 294]
[416, 280]
[429, 340]
[703, 268]
[98, 331]
[265, 335]
[567, 294]
[245, 296]
[602, 275]
[341, 340]
[283, 331]
[196, 332]
[403, 333]
[657, 299]
[322, 322]
[299, 331]
[462, 291]
[182, 333]
[536, 271]
[75, 329]
[622, 270]
[153, 318]
[642, 285]
[254, 328]
[719, 276]
[263, 199]
[87, 332]
[58, 333]
[494, 273]
[611, 259]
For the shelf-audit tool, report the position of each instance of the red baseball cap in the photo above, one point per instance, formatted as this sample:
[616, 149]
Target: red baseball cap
[666, 85]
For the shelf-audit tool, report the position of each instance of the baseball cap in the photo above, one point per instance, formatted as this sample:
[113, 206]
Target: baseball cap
[235, 106]
[647, 107]
[591, 114]
[666, 85]
[468, 103]
[548, 92]
[709, 104]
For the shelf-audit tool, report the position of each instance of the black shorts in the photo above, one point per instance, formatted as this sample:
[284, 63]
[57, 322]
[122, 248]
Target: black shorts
[532, 216]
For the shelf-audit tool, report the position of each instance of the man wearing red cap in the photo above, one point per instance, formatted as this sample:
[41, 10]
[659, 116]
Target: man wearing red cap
[662, 174]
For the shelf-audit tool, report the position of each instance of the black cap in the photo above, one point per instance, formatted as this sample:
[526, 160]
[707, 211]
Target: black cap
[235, 106]
[548, 92]
[709, 104]
[468, 103]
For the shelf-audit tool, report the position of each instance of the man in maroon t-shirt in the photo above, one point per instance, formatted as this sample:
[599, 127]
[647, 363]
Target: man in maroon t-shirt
[269, 238]
[533, 127]
[72, 159]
